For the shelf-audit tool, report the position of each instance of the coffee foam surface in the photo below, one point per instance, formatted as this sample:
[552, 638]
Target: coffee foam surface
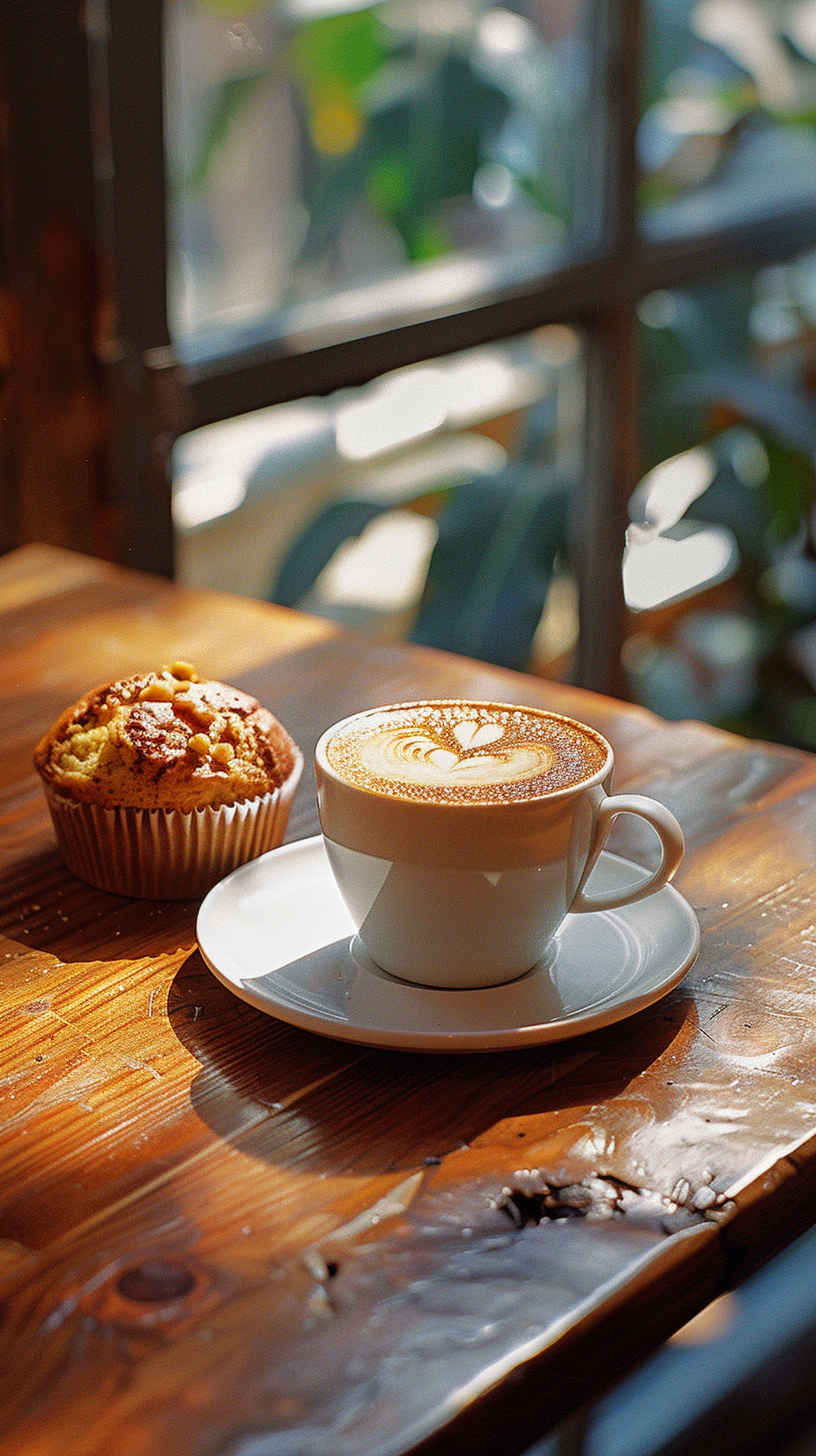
[464, 753]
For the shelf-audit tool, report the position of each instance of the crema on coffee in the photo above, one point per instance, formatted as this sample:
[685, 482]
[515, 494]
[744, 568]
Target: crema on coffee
[464, 753]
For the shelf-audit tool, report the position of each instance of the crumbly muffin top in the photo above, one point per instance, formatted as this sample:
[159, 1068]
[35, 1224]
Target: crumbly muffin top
[165, 740]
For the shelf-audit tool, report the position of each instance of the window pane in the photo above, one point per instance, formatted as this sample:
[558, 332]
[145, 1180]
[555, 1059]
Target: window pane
[720, 572]
[338, 167]
[433, 503]
[728, 130]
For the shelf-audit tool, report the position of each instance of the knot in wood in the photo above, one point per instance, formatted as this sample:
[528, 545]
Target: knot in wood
[155, 1282]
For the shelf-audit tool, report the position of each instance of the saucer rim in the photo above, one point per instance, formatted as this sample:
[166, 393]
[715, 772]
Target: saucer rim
[505, 1038]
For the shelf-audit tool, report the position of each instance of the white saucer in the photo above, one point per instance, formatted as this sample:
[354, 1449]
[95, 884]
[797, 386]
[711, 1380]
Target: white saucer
[278, 934]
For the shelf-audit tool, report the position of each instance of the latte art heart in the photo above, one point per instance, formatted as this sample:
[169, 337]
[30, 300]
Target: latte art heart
[476, 735]
[405, 756]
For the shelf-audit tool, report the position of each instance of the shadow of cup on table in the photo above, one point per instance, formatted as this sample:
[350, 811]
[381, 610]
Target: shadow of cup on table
[293, 1097]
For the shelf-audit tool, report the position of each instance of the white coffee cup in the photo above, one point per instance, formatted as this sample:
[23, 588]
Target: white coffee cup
[469, 891]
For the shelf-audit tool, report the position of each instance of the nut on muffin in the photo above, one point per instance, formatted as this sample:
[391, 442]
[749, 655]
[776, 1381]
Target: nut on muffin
[164, 780]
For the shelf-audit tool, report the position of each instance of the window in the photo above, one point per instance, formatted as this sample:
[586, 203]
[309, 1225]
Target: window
[325, 196]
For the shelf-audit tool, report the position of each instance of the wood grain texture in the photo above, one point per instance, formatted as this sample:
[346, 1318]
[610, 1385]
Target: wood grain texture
[224, 1236]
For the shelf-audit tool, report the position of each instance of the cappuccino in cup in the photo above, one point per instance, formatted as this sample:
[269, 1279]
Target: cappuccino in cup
[465, 753]
[461, 833]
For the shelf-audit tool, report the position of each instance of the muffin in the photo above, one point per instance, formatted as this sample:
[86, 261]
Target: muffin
[161, 783]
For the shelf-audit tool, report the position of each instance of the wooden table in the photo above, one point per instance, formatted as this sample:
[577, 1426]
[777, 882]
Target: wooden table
[221, 1234]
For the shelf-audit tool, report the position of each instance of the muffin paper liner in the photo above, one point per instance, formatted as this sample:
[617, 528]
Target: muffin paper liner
[165, 854]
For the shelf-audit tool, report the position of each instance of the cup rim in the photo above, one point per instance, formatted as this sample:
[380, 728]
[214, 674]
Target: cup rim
[483, 806]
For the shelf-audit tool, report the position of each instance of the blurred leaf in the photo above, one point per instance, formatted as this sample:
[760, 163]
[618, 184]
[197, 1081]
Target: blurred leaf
[333, 58]
[746, 512]
[426, 240]
[791, 488]
[332, 48]
[490, 570]
[389, 184]
[537, 432]
[492, 566]
[794, 717]
[785, 419]
[436, 140]
[540, 191]
[786, 413]
[316, 545]
[330, 192]
[805, 117]
[425, 138]
[228, 102]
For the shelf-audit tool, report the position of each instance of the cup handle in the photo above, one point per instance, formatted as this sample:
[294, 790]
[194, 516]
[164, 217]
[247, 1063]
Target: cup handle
[668, 832]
